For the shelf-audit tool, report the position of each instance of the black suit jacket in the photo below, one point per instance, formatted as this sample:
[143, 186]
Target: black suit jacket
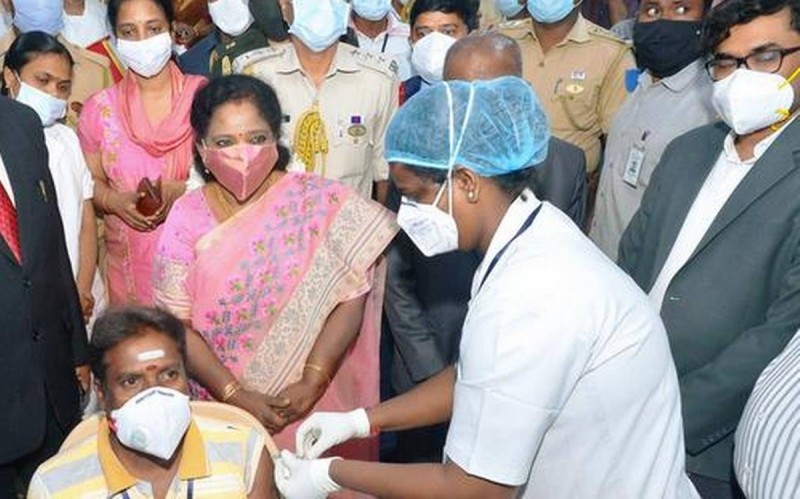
[426, 298]
[736, 302]
[41, 327]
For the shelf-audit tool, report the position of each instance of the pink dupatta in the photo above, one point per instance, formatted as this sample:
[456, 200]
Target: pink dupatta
[173, 136]
[265, 281]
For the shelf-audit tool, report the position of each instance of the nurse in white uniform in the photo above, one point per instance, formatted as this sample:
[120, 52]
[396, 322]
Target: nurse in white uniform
[565, 386]
[38, 72]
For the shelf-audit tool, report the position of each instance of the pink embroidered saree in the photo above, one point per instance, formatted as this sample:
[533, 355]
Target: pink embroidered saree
[260, 286]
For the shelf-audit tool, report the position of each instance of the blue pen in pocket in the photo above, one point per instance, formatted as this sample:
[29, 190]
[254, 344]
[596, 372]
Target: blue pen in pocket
[632, 79]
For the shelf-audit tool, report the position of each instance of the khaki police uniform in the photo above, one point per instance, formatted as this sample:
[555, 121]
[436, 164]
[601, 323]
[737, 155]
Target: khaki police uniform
[91, 74]
[580, 81]
[355, 103]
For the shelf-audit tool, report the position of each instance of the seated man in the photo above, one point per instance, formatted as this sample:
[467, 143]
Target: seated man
[149, 442]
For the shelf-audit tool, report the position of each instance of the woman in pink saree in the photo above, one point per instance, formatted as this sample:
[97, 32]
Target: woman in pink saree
[136, 129]
[272, 270]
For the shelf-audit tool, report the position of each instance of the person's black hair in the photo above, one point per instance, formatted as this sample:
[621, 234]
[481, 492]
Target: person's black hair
[118, 325]
[466, 10]
[732, 13]
[166, 7]
[511, 183]
[27, 47]
[237, 88]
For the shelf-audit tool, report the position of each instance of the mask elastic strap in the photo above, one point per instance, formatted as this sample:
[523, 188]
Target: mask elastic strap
[790, 78]
[785, 113]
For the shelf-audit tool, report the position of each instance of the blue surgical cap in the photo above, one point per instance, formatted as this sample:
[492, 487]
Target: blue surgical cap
[490, 127]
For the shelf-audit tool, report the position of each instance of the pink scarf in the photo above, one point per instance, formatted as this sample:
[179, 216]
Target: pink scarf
[172, 138]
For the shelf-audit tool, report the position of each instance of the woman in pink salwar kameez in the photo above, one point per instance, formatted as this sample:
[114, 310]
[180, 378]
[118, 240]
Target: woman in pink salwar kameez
[273, 271]
[138, 128]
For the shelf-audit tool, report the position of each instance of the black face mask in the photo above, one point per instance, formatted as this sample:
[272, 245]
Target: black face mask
[666, 47]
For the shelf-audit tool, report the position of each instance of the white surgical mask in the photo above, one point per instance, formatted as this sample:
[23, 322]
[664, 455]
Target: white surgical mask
[39, 15]
[49, 108]
[431, 230]
[509, 8]
[232, 17]
[153, 422]
[372, 10]
[750, 100]
[319, 23]
[146, 57]
[550, 11]
[428, 55]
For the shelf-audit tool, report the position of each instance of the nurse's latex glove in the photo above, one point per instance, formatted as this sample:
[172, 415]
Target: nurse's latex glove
[300, 479]
[324, 430]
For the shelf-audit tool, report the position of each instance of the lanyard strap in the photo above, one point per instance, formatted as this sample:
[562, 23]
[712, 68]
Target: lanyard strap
[189, 491]
[499, 255]
[385, 41]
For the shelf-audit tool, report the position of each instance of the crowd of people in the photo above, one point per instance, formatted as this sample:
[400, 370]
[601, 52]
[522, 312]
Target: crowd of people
[382, 248]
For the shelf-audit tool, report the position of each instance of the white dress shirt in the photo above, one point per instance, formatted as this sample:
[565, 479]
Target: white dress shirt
[566, 385]
[393, 43]
[73, 182]
[6, 181]
[724, 178]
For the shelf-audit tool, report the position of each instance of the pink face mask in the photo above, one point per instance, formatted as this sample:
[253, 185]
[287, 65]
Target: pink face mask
[241, 169]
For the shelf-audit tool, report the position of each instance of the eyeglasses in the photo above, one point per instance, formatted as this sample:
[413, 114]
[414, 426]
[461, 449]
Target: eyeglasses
[763, 61]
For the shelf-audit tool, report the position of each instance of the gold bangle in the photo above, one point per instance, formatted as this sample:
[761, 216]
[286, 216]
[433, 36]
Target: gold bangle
[320, 370]
[230, 390]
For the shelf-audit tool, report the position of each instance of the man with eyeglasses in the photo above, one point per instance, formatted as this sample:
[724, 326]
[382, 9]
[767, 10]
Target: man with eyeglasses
[716, 241]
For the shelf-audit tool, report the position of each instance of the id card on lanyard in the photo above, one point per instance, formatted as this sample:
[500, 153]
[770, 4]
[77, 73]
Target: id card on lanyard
[633, 167]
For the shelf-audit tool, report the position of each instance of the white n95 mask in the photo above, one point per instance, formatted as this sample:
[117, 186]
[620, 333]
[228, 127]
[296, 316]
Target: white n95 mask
[431, 230]
[319, 23]
[146, 57]
[750, 100]
[428, 54]
[232, 17]
[49, 108]
[153, 422]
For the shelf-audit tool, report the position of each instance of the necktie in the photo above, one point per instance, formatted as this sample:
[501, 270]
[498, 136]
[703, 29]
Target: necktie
[9, 228]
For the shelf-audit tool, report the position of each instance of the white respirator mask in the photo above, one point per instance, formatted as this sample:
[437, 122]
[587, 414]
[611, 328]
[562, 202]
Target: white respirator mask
[153, 422]
[751, 100]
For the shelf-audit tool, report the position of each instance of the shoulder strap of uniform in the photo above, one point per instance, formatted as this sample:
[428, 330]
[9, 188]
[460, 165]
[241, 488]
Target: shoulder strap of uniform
[601, 32]
[245, 62]
[375, 62]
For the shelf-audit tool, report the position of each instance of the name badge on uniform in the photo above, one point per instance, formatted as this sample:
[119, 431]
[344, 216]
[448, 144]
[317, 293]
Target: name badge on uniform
[633, 167]
[578, 75]
[356, 128]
